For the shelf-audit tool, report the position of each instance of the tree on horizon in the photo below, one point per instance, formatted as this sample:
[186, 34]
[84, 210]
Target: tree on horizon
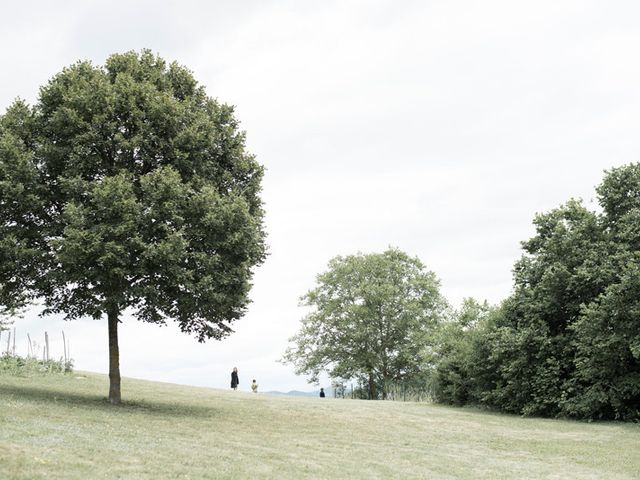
[371, 319]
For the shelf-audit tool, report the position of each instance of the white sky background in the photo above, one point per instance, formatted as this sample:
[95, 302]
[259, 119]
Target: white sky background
[438, 127]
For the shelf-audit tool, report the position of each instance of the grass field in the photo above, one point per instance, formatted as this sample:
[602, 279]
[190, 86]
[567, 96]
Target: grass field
[62, 427]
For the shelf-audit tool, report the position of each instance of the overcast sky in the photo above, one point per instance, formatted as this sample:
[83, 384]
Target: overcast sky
[439, 127]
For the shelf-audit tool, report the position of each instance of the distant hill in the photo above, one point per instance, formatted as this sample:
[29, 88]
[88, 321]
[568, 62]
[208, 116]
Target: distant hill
[297, 393]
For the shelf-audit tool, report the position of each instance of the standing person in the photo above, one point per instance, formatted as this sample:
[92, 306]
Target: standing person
[321, 392]
[234, 378]
[254, 386]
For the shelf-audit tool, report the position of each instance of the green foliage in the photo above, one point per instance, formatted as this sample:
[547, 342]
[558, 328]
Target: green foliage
[4, 323]
[28, 366]
[7, 316]
[458, 360]
[126, 186]
[566, 342]
[372, 319]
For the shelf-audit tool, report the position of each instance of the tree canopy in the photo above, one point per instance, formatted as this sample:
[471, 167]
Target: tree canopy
[371, 317]
[5, 318]
[126, 187]
[567, 341]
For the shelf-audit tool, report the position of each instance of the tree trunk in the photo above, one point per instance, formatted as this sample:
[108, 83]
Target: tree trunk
[385, 379]
[372, 387]
[114, 357]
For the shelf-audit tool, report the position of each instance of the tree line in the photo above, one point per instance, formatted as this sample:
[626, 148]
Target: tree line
[566, 342]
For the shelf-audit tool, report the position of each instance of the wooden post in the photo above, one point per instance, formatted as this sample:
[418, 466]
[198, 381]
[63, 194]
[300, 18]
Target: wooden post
[8, 342]
[64, 348]
[14, 342]
[46, 344]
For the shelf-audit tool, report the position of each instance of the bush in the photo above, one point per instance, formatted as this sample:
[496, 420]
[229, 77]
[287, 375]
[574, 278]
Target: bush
[457, 362]
[28, 366]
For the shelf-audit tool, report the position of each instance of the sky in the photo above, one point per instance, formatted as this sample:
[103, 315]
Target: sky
[438, 127]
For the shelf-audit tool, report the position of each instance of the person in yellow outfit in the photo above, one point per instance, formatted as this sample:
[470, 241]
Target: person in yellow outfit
[254, 386]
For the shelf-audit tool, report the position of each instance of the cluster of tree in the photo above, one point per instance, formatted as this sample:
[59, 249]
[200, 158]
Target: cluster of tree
[126, 187]
[566, 342]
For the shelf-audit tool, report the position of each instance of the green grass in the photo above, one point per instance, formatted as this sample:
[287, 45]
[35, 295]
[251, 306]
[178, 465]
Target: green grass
[60, 426]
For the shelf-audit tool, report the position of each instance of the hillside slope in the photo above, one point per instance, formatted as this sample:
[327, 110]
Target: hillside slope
[62, 427]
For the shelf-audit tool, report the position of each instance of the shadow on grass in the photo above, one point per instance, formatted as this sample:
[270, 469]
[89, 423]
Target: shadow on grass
[97, 402]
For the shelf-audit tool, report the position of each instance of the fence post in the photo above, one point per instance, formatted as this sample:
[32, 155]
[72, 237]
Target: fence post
[64, 348]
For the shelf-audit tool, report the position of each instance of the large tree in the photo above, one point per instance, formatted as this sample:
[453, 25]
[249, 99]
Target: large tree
[371, 318]
[126, 187]
[607, 333]
[567, 341]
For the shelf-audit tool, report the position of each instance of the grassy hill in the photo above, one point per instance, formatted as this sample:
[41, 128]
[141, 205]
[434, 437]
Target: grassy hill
[62, 427]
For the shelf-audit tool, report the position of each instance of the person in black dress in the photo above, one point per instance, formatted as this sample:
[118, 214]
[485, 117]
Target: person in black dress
[234, 378]
[321, 392]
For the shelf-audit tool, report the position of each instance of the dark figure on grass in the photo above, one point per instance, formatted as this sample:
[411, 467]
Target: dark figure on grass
[234, 378]
[321, 392]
